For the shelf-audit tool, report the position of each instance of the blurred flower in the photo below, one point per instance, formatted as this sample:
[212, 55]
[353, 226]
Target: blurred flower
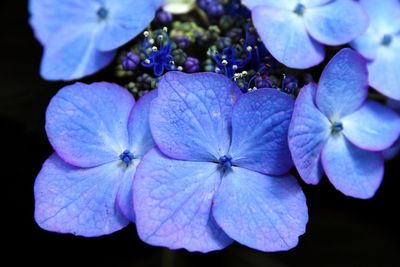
[220, 172]
[297, 30]
[80, 37]
[179, 6]
[99, 135]
[131, 61]
[335, 125]
[192, 65]
[381, 46]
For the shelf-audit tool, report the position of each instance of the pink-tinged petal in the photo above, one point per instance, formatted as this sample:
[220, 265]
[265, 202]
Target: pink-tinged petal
[283, 4]
[191, 117]
[78, 201]
[372, 127]
[267, 213]
[260, 122]
[140, 139]
[336, 23]
[383, 15]
[343, 85]
[173, 202]
[71, 54]
[125, 20]
[384, 71]
[308, 132]
[286, 38]
[353, 171]
[87, 124]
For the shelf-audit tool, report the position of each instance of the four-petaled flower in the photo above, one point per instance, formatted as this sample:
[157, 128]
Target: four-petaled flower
[335, 125]
[99, 135]
[81, 37]
[294, 31]
[381, 46]
[220, 172]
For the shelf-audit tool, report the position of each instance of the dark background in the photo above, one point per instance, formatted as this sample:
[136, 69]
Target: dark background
[341, 232]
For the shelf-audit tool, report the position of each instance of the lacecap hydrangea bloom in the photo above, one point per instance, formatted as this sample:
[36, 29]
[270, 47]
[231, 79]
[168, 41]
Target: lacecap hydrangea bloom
[220, 169]
[99, 135]
[80, 37]
[381, 46]
[295, 31]
[337, 130]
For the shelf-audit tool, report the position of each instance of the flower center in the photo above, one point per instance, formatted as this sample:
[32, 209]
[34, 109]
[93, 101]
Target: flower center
[387, 39]
[299, 9]
[127, 157]
[102, 13]
[225, 163]
[337, 127]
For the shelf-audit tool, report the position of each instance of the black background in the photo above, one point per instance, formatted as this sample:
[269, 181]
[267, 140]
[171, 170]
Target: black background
[341, 231]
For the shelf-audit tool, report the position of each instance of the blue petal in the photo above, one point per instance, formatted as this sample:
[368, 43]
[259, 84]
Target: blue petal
[343, 85]
[314, 3]
[286, 37]
[87, 124]
[71, 54]
[368, 44]
[353, 171]
[126, 19]
[392, 152]
[140, 139]
[267, 213]
[50, 16]
[384, 72]
[173, 202]
[383, 15]
[260, 122]
[308, 132]
[125, 192]
[284, 4]
[372, 127]
[190, 118]
[336, 23]
[78, 201]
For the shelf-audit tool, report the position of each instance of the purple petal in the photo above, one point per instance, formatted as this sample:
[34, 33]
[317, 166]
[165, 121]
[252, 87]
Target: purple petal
[78, 201]
[353, 171]
[125, 192]
[392, 152]
[50, 16]
[140, 139]
[260, 122]
[286, 37]
[283, 4]
[87, 124]
[383, 15]
[308, 132]
[190, 118]
[173, 203]
[372, 127]
[384, 72]
[125, 20]
[71, 54]
[264, 212]
[343, 85]
[336, 23]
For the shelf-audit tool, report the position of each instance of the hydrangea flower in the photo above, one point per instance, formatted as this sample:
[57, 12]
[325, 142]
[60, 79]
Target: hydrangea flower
[335, 125]
[99, 135]
[80, 37]
[295, 31]
[381, 46]
[220, 172]
[392, 151]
